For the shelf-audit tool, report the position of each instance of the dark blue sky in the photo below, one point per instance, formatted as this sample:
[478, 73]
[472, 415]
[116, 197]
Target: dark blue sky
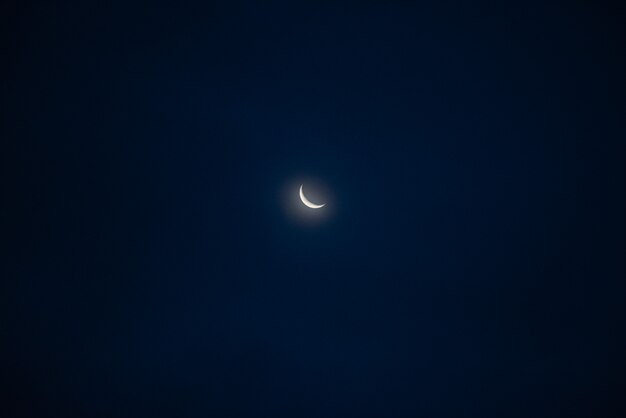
[469, 263]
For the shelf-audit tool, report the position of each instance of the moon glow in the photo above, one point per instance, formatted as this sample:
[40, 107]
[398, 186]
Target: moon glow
[307, 202]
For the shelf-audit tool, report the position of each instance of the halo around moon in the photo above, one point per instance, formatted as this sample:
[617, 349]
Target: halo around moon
[307, 202]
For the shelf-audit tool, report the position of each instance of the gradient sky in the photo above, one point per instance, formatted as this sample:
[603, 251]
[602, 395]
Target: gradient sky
[469, 263]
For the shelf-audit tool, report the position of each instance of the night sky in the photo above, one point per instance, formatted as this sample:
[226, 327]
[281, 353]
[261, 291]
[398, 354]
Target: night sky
[469, 261]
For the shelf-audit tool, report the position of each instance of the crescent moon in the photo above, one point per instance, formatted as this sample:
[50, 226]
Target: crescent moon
[307, 202]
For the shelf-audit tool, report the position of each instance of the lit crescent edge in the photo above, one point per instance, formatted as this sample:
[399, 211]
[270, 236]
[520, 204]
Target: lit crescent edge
[308, 202]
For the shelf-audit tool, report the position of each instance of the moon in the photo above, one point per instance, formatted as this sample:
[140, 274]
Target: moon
[307, 202]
